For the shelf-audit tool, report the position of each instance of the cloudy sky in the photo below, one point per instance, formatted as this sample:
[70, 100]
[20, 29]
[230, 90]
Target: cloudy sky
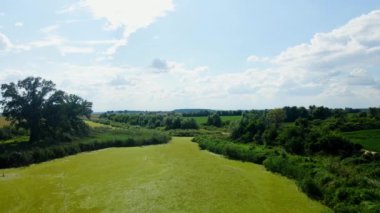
[219, 54]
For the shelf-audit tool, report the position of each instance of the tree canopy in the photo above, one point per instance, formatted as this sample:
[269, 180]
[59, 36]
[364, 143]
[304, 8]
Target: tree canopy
[36, 105]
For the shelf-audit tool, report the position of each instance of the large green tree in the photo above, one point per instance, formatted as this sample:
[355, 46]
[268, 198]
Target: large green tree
[35, 104]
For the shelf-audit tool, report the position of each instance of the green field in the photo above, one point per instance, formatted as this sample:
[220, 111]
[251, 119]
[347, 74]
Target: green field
[203, 119]
[163, 178]
[370, 139]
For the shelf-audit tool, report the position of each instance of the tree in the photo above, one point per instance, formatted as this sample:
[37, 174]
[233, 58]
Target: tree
[374, 112]
[276, 116]
[214, 120]
[320, 112]
[35, 104]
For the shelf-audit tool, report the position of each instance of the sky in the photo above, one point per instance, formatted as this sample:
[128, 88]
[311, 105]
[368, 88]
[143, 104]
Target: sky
[216, 54]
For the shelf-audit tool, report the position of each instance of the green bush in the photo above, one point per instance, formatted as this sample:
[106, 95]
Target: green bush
[116, 138]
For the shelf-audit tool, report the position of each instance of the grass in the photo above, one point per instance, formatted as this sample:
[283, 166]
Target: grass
[203, 119]
[175, 177]
[369, 139]
[93, 124]
[3, 122]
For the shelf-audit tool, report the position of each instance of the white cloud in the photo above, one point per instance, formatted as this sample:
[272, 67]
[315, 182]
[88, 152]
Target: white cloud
[75, 50]
[254, 58]
[19, 24]
[7, 46]
[49, 29]
[354, 45]
[128, 15]
[70, 8]
[63, 46]
[337, 68]
[331, 69]
[2, 14]
[5, 43]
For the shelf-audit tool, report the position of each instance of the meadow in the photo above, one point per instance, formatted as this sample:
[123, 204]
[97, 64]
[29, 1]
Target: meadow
[162, 178]
[203, 119]
[369, 139]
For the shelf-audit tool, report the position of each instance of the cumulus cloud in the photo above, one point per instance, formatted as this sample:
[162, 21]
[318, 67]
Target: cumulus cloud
[333, 64]
[128, 15]
[353, 45]
[337, 68]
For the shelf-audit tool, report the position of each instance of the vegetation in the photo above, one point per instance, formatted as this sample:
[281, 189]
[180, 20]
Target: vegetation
[49, 114]
[214, 120]
[167, 121]
[175, 177]
[346, 185]
[23, 153]
[369, 139]
[205, 113]
[3, 122]
[320, 148]
[8, 132]
[315, 150]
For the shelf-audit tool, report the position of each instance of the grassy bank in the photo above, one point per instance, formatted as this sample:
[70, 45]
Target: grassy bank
[24, 153]
[174, 177]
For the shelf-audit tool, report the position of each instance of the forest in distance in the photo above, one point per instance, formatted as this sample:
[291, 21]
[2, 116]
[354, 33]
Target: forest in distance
[331, 154]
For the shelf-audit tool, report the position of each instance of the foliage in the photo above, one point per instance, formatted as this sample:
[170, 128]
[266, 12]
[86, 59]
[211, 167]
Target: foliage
[205, 113]
[374, 112]
[275, 117]
[49, 114]
[345, 184]
[233, 150]
[22, 154]
[8, 132]
[293, 113]
[151, 120]
[214, 120]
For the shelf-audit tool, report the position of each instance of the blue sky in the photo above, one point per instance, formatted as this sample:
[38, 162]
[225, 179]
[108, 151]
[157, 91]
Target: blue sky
[167, 54]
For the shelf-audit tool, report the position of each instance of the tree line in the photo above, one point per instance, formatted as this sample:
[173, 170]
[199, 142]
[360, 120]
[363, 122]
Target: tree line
[151, 120]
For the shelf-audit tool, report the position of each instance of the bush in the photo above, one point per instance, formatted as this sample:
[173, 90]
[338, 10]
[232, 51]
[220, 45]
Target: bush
[117, 138]
[309, 186]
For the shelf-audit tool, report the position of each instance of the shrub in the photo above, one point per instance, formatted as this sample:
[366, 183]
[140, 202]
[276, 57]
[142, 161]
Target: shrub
[120, 138]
